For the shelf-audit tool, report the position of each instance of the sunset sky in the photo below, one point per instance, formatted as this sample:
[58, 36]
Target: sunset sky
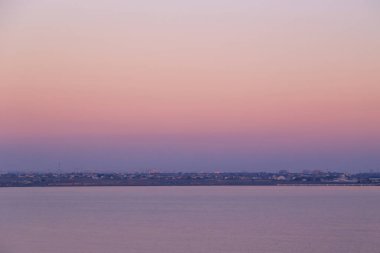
[199, 85]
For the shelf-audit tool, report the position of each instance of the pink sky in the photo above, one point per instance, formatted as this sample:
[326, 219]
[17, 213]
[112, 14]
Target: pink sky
[286, 75]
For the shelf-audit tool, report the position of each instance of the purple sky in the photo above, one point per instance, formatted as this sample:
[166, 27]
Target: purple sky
[190, 85]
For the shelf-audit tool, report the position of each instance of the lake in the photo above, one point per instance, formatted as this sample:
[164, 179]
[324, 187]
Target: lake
[225, 219]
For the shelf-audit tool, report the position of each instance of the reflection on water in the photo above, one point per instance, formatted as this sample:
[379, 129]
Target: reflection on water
[190, 219]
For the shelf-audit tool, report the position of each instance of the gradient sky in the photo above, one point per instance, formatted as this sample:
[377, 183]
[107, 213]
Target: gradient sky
[199, 85]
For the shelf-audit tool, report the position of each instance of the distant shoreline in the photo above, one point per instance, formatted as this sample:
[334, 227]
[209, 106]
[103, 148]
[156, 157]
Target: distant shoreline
[282, 178]
[195, 186]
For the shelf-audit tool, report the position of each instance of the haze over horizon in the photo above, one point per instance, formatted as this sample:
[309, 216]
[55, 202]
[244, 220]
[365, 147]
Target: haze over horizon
[190, 85]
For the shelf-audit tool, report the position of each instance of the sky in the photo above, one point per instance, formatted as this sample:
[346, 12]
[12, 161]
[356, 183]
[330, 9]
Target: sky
[201, 85]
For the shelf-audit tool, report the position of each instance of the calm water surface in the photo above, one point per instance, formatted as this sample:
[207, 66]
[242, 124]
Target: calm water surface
[190, 220]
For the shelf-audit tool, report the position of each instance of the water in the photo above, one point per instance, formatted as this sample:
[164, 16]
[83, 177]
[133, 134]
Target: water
[190, 219]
